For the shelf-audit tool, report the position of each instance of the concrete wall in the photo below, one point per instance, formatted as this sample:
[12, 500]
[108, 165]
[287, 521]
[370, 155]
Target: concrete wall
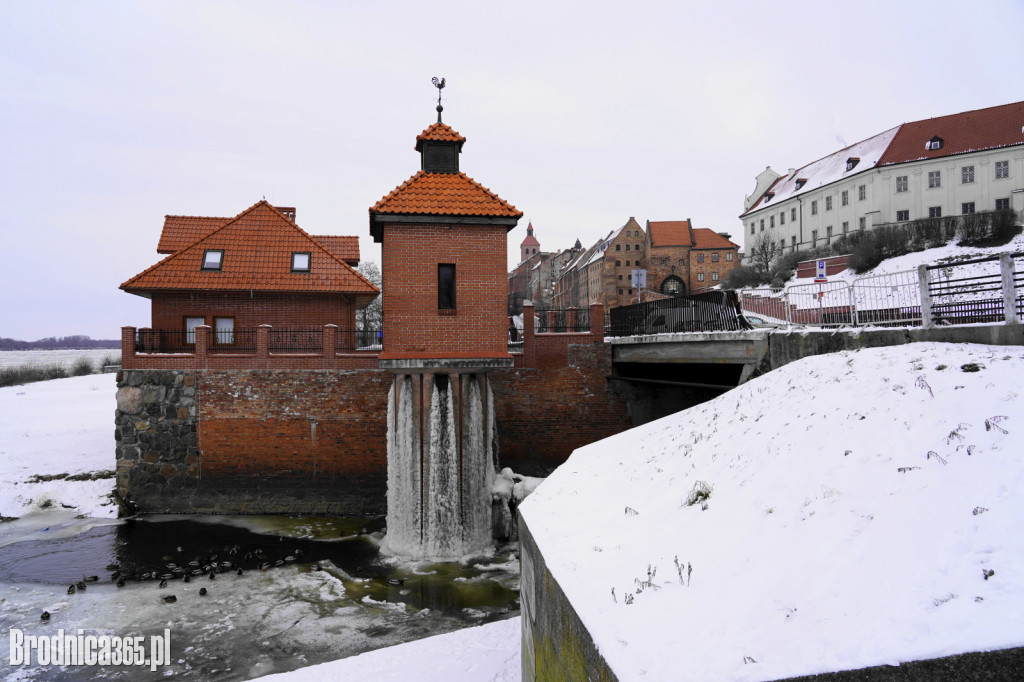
[556, 645]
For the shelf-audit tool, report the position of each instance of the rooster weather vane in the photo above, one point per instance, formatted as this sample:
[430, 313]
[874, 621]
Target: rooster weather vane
[439, 84]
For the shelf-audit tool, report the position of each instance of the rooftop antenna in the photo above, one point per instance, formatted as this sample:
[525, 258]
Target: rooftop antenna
[439, 84]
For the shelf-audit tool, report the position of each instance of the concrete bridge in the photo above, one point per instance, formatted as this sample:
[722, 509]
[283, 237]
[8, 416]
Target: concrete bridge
[663, 373]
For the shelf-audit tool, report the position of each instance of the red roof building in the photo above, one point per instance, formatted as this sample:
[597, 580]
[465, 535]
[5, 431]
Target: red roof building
[258, 268]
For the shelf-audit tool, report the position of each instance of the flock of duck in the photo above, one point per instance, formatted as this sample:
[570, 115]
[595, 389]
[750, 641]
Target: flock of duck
[203, 566]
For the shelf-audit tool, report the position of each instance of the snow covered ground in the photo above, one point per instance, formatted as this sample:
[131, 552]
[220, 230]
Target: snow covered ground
[858, 509]
[49, 428]
[15, 358]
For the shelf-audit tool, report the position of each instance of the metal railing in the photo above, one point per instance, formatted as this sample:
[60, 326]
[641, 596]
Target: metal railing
[164, 341]
[237, 341]
[296, 340]
[346, 341]
[561, 321]
[711, 311]
[989, 289]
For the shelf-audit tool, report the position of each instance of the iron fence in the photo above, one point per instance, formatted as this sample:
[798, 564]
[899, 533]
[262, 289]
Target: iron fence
[711, 311]
[347, 341]
[561, 321]
[296, 340]
[236, 341]
[164, 341]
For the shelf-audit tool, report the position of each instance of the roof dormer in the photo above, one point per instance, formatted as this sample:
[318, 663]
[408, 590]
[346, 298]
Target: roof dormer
[851, 163]
[933, 144]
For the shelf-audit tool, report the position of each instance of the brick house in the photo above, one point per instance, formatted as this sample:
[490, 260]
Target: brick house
[682, 258]
[234, 274]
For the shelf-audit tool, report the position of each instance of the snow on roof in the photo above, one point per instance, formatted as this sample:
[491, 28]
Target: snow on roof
[857, 501]
[827, 170]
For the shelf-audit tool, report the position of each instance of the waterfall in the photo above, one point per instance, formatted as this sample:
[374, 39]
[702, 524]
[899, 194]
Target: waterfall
[440, 466]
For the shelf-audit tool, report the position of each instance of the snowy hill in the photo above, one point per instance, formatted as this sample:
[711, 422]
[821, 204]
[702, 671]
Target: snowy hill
[864, 508]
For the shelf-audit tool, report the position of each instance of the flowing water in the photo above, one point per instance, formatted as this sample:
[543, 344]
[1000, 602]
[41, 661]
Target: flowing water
[310, 590]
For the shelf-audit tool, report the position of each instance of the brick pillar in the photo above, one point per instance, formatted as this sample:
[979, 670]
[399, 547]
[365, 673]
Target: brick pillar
[203, 336]
[263, 341]
[552, 320]
[529, 349]
[571, 317]
[127, 347]
[330, 335]
[597, 322]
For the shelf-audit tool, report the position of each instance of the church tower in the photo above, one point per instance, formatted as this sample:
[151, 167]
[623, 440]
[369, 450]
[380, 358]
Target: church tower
[530, 245]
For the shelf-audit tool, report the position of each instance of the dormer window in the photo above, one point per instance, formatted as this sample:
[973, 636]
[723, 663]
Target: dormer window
[300, 261]
[800, 182]
[851, 163]
[213, 259]
[768, 196]
[933, 144]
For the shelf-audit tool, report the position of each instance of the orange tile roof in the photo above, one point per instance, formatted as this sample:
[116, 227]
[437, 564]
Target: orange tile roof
[344, 247]
[257, 245]
[530, 239]
[709, 239]
[439, 132]
[969, 131]
[670, 233]
[444, 194]
[181, 230]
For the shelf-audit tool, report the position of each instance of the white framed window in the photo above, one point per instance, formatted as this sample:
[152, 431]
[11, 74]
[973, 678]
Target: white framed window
[190, 328]
[1002, 204]
[862, 192]
[966, 175]
[814, 207]
[700, 276]
[846, 226]
[844, 198]
[1002, 169]
[933, 144]
[751, 228]
[700, 257]
[934, 179]
[771, 221]
[782, 245]
[714, 257]
[223, 330]
[782, 218]
[762, 224]
[934, 211]
[300, 261]
[902, 216]
[828, 234]
[792, 214]
[967, 208]
[814, 237]
[862, 222]
[901, 183]
[714, 276]
[728, 256]
[213, 259]
[793, 242]
[828, 203]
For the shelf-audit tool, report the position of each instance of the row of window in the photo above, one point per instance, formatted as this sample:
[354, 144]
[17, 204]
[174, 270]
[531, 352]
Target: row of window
[966, 208]
[1002, 170]
[636, 247]
[213, 259]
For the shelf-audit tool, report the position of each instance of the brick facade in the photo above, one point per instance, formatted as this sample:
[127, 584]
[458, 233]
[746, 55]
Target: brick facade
[478, 326]
[305, 311]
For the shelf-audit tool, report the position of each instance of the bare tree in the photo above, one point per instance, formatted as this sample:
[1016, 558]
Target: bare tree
[370, 316]
[763, 252]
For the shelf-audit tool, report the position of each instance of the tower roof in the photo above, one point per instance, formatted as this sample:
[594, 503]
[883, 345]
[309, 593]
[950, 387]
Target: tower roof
[439, 132]
[530, 240]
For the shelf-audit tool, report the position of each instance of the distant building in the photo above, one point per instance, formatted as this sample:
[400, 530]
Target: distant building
[954, 165]
[534, 277]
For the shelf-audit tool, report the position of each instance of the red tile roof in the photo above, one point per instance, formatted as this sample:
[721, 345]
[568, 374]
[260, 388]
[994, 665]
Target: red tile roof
[257, 246]
[969, 131]
[181, 230]
[439, 132]
[670, 233]
[344, 247]
[530, 239]
[444, 194]
[709, 239]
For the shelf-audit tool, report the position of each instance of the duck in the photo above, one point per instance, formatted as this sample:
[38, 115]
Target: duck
[186, 579]
[80, 585]
[163, 583]
[91, 578]
[120, 582]
[45, 615]
[71, 589]
[169, 598]
[213, 576]
[238, 572]
[202, 591]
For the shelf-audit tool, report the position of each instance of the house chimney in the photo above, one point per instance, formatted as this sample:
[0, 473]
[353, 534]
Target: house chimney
[289, 212]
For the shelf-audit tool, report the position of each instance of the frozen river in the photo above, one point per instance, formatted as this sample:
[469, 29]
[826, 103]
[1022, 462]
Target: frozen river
[331, 596]
[16, 358]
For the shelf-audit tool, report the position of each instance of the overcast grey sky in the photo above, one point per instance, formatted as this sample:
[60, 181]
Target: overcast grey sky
[582, 114]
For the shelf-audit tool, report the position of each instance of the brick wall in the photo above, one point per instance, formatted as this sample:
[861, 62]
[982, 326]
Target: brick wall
[169, 310]
[665, 261]
[709, 268]
[546, 412]
[414, 327]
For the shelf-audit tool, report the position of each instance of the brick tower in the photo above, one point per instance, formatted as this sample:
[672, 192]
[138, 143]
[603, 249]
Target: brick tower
[443, 242]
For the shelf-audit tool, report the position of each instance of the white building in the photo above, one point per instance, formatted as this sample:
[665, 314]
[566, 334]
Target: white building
[951, 165]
